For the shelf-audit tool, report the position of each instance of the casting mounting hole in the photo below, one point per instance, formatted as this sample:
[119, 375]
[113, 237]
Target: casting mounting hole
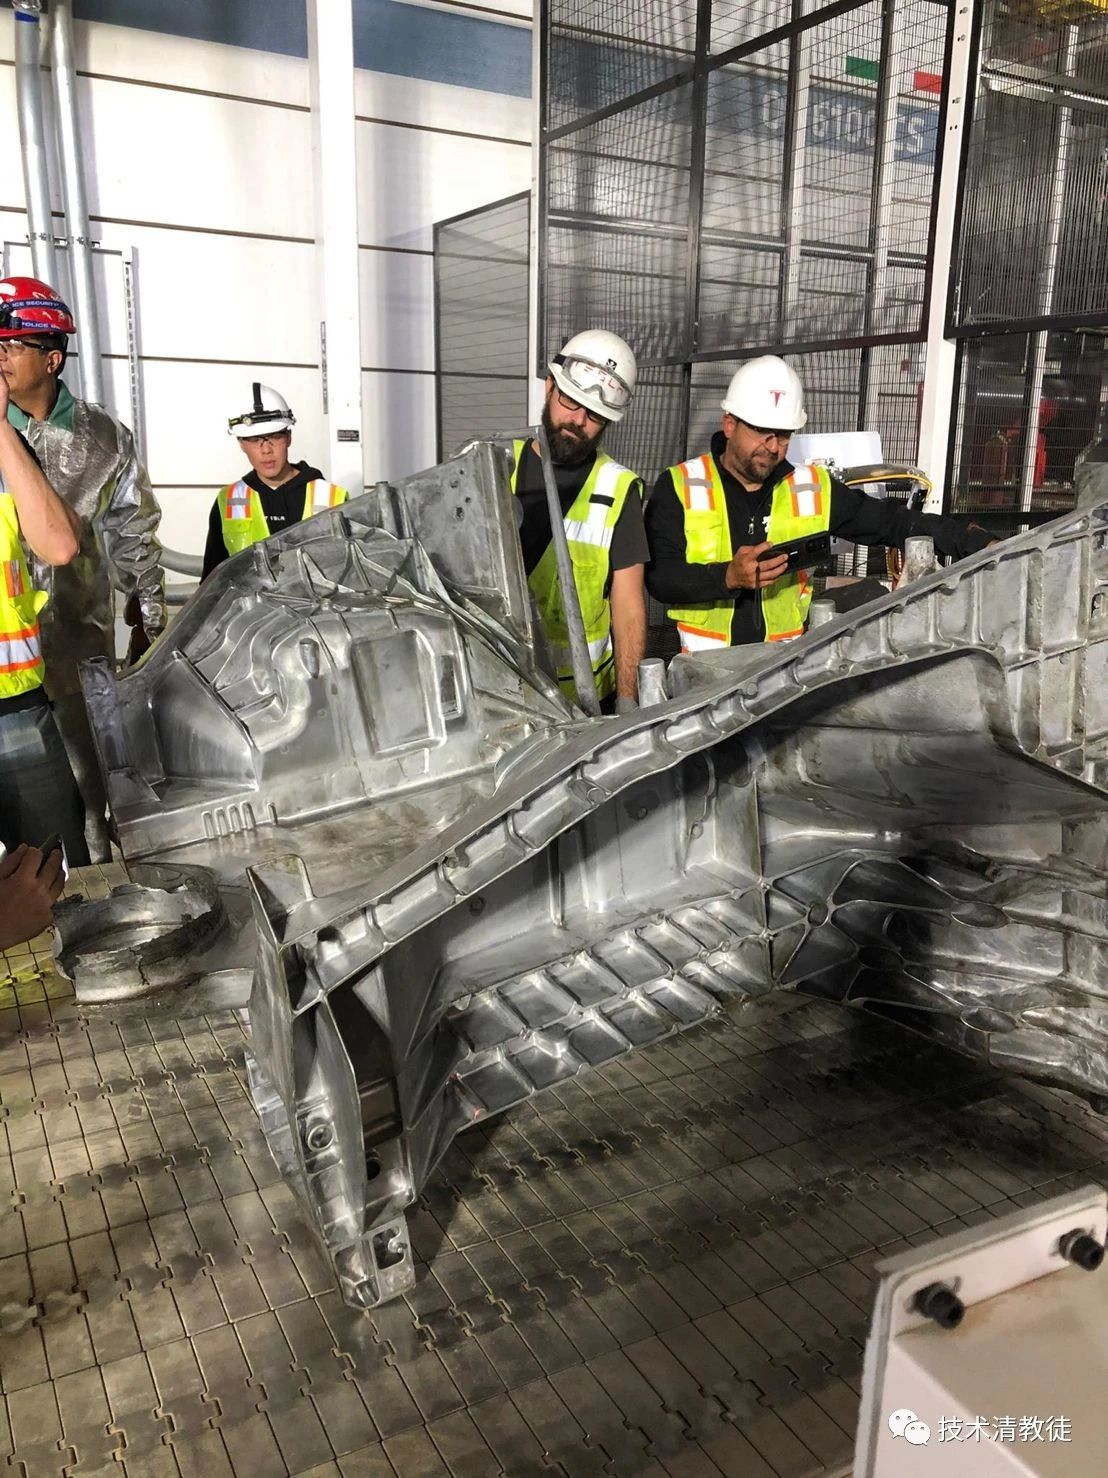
[388, 1248]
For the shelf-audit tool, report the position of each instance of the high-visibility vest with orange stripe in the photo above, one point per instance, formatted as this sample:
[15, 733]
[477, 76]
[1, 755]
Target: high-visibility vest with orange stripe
[801, 505]
[21, 665]
[590, 522]
[244, 522]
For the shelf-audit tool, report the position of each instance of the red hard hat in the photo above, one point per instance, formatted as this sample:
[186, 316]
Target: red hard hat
[28, 306]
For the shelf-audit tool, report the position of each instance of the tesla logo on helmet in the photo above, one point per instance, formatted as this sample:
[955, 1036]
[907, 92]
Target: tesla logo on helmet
[777, 394]
[611, 364]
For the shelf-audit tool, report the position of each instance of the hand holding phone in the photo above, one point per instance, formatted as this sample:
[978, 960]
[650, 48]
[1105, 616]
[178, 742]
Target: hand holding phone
[800, 553]
[754, 567]
[50, 845]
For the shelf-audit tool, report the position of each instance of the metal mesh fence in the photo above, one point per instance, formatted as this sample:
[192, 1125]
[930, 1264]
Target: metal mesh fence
[761, 185]
[617, 228]
[1032, 256]
[645, 439]
[818, 176]
[481, 308]
[1015, 455]
[601, 51]
[1034, 238]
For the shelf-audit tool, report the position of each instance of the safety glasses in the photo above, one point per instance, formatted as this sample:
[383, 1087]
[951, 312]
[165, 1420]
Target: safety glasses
[765, 433]
[568, 404]
[17, 347]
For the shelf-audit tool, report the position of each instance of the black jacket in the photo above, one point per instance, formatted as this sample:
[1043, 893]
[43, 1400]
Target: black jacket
[854, 516]
[282, 506]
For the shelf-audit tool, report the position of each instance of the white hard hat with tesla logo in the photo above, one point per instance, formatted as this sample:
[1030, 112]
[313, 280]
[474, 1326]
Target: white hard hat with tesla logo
[766, 393]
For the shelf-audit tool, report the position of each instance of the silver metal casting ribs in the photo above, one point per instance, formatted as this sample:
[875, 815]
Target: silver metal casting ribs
[343, 776]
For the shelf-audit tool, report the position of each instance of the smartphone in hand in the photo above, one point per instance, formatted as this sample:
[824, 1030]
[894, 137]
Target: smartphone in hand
[803, 552]
[50, 845]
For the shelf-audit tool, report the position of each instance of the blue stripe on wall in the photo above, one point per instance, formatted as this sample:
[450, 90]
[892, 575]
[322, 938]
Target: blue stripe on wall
[405, 40]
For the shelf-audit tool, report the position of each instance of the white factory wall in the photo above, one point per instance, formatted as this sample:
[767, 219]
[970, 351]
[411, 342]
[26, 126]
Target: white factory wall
[198, 157]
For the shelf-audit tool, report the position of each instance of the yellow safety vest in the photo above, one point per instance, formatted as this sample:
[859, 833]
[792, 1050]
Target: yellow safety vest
[21, 665]
[801, 505]
[590, 523]
[244, 522]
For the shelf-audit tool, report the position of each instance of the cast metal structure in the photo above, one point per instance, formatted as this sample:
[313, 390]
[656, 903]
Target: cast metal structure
[343, 776]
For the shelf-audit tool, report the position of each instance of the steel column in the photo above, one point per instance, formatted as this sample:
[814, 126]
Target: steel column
[76, 205]
[538, 222]
[939, 376]
[335, 166]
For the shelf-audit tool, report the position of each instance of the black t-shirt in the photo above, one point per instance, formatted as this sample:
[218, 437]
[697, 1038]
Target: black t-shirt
[282, 506]
[854, 516]
[629, 546]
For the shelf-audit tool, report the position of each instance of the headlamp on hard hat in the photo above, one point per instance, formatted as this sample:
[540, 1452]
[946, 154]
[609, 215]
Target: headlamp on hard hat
[256, 418]
[269, 413]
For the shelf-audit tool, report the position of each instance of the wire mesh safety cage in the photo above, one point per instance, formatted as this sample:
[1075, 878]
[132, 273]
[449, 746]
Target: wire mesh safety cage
[1029, 300]
[1034, 232]
[482, 285]
[1027, 411]
[721, 180]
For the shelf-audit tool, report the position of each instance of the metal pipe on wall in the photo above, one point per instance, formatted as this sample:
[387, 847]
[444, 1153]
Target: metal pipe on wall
[32, 138]
[76, 205]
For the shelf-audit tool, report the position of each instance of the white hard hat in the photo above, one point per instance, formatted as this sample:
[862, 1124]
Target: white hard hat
[766, 392]
[269, 413]
[598, 370]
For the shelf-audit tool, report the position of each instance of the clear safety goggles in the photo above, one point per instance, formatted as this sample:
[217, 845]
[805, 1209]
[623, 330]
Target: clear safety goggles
[595, 379]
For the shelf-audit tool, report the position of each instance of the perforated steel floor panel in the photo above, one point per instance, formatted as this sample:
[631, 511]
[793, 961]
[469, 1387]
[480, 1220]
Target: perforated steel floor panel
[661, 1268]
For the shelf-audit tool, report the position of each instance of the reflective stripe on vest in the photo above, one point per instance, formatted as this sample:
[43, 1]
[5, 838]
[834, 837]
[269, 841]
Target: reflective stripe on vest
[600, 653]
[707, 541]
[321, 495]
[20, 650]
[700, 485]
[21, 665]
[244, 520]
[590, 525]
[801, 504]
[239, 498]
[15, 581]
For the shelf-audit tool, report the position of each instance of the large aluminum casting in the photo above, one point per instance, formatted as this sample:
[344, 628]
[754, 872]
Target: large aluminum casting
[344, 776]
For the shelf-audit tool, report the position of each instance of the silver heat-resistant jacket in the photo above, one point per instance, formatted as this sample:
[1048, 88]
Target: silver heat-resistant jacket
[95, 469]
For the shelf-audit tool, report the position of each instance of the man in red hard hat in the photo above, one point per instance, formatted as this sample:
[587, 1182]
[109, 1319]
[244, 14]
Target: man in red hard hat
[39, 799]
[90, 459]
